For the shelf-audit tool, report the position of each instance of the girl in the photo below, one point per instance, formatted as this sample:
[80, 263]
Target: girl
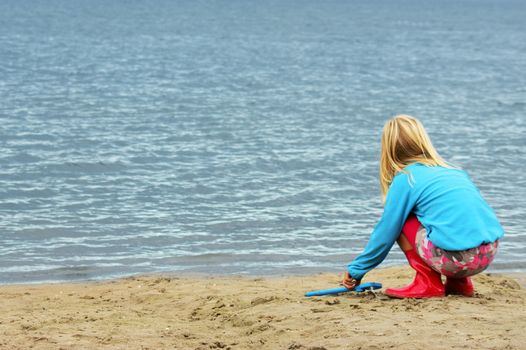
[434, 212]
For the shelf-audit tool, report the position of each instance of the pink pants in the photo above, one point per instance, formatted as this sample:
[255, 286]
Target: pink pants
[456, 264]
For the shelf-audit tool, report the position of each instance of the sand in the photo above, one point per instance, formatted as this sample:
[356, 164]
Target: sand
[166, 312]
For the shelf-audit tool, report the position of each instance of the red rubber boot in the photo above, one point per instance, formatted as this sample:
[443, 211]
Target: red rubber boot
[460, 286]
[427, 282]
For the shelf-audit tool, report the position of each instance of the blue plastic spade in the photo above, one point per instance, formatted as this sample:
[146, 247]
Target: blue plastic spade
[360, 288]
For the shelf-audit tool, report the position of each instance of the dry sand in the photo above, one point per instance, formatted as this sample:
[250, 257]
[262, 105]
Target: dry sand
[154, 312]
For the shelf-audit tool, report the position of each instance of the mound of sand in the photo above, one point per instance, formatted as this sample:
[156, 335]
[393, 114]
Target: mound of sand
[154, 312]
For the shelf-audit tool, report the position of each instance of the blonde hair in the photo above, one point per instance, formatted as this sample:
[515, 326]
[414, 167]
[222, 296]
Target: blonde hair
[405, 141]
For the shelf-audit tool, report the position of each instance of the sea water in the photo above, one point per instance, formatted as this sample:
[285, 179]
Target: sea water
[241, 137]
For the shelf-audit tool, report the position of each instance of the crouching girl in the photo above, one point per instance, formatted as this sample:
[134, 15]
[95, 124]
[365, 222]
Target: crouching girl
[434, 212]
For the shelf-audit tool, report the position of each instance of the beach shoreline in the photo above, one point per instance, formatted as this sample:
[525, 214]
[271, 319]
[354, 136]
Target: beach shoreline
[167, 311]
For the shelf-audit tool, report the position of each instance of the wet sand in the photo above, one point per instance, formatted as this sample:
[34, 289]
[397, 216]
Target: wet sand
[176, 312]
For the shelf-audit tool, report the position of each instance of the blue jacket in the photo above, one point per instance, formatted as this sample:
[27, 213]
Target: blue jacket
[446, 203]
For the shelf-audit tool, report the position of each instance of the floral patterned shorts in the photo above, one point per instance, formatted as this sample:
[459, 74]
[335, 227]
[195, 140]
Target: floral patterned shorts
[455, 264]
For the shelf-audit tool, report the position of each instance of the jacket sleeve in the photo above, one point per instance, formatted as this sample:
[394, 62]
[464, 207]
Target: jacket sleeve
[398, 204]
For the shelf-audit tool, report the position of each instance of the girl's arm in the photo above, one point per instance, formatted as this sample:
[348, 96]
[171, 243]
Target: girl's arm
[398, 204]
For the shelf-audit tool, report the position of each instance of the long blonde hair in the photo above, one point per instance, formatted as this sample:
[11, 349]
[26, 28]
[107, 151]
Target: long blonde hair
[405, 141]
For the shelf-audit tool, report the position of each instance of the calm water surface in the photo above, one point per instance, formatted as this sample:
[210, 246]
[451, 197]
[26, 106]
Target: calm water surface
[241, 136]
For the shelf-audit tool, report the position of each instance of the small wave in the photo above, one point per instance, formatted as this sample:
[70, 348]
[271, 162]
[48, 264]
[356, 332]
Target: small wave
[94, 167]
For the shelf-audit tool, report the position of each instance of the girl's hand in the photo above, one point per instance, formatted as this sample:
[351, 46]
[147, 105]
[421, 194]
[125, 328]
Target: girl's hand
[349, 282]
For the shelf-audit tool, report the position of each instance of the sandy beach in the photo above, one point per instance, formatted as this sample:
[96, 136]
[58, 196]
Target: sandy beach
[168, 312]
